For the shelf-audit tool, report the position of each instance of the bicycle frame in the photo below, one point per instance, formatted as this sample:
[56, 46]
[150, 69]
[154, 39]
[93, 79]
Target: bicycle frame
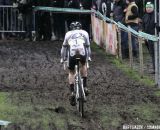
[79, 90]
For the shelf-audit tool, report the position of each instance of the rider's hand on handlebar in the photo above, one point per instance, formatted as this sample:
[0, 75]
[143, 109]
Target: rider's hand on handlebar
[89, 59]
[61, 61]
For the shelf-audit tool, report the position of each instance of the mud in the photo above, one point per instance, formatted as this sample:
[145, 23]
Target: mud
[32, 74]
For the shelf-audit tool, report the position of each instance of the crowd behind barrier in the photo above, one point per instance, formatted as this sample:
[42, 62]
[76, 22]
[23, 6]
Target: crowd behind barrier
[129, 35]
[45, 25]
[49, 25]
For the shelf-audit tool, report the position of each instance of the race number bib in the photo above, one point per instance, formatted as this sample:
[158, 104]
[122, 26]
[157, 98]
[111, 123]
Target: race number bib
[76, 45]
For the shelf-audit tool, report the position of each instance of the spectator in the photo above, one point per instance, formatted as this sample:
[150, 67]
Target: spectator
[131, 19]
[118, 10]
[86, 18]
[25, 7]
[118, 16]
[5, 21]
[7, 2]
[43, 21]
[153, 2]
[103, 6]
[1, 18]
[106, 7]
[94, 5]
[72, 17]
[38, 21]
[58, 20]
[140, 5]
[98, 4]
[148, 24]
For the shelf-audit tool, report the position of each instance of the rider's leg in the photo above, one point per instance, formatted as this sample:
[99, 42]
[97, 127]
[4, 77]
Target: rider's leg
[71, 83]
[71, 73]
[84, 74]
[71, 80]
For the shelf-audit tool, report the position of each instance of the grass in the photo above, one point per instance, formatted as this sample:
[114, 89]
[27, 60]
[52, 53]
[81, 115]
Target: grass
[133, 73]
[124, 67]
[146, 113]
[2, 97]
[109, 117]
[32, 115]
[157, 93]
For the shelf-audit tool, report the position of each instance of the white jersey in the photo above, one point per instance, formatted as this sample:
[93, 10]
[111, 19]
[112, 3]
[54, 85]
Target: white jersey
[76, 40]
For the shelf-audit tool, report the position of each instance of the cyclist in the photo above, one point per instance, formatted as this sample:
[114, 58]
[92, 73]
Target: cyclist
[68, 52]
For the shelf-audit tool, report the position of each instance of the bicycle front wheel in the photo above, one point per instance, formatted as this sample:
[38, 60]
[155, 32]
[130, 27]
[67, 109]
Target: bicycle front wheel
[81, 101]
[81, 106]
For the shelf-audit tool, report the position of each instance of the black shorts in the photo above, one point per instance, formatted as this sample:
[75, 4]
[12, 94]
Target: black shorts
[72, 61]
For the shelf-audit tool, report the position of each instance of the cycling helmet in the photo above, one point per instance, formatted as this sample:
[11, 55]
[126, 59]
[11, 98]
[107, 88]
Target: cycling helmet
[75, 25]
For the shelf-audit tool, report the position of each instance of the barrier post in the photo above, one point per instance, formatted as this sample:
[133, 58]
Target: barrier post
[158, 49]
[34, 26]
[130, 48]
[141, 56]
[119, 44]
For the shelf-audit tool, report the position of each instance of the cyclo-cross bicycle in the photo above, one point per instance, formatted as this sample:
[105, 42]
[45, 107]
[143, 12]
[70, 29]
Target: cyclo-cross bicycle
[80, 96]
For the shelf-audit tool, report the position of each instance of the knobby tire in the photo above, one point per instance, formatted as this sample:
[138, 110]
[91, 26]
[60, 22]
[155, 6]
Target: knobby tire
[81, 99]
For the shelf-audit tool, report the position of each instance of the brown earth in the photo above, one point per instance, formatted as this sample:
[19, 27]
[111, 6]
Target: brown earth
[31, 74]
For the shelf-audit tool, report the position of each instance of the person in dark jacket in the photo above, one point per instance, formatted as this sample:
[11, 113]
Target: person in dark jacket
[118, 10]
[43, 22]
[153, 2]
[58, 20]
[118, 16]
[86, 18]
[5, 15]
[46, 21]
[105, 7]
[83, 18]
[94, 5]
[71, 17]
[140, 5]
[148, 23]
[132, 20]
[25, 8]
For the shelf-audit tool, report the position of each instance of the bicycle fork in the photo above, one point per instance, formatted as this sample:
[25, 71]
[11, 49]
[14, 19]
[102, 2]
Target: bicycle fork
[77, 85]
[76, 82]
[83, 93]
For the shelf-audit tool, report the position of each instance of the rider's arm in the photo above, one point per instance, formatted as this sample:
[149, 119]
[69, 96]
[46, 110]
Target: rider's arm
[64, 48]
[88, 45]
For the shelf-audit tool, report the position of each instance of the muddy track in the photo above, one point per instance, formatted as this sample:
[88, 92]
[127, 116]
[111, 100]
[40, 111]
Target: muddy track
[31, 73]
